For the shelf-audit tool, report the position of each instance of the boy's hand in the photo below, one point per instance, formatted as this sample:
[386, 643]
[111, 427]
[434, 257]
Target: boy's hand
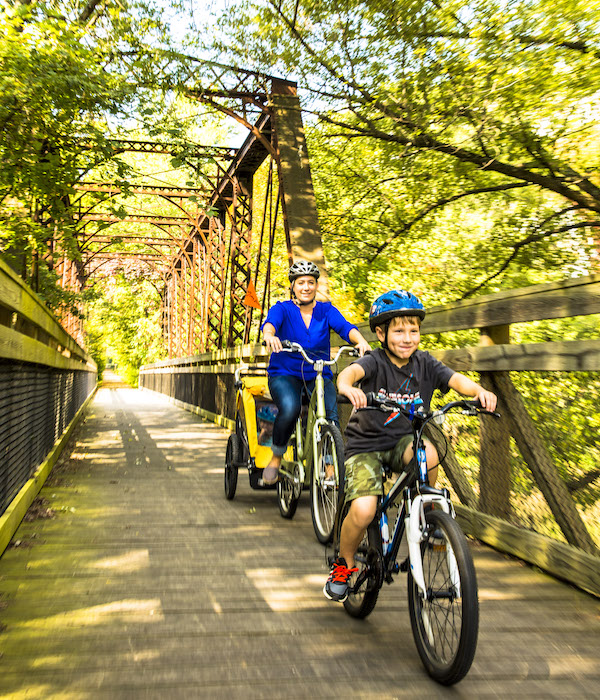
[487, 399]
[357, 396]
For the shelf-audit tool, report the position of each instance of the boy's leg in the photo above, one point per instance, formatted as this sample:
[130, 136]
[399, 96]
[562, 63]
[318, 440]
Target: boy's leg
[362, 511]
[363, 485]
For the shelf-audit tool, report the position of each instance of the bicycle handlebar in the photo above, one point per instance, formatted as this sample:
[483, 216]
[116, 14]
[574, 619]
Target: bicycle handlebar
[470, 407]
[289, 346]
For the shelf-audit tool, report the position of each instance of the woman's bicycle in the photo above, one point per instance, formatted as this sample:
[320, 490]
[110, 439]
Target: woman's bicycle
[442, 584]
[317, 452]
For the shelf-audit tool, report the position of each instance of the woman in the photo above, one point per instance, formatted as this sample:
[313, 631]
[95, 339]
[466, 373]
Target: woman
[308, 322]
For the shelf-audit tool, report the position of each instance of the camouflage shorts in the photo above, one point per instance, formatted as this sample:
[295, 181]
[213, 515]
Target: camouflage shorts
[364, 471]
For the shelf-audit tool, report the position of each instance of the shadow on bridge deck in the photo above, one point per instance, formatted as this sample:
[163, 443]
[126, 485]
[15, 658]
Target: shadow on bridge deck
[135, 577]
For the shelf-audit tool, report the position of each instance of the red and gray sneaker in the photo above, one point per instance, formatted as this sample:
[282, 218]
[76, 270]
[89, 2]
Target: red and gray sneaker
[336, 587]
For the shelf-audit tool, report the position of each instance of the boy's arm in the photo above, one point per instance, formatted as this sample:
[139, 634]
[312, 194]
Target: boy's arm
[346, 378]
[467, 387]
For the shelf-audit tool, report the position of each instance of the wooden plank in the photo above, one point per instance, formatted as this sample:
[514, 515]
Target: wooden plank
[540, 463]
[18, 297]
[147, 582]
[559, 559]
[22, 348]
[564, 356]
[574, 297]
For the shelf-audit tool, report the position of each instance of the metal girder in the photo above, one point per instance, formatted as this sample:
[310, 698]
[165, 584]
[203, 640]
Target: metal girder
[169, 192]
[165, 148]
[135, 219]
[218, 281]
[241, 233]
[145, 240]
[206, 255]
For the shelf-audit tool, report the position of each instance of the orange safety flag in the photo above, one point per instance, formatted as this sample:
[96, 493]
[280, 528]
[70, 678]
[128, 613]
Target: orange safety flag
[251, 298]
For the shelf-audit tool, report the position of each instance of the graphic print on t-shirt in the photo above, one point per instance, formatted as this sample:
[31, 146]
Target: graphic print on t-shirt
[402, 396]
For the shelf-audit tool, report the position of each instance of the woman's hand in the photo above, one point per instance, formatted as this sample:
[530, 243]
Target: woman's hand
[273, 343]
[362, 346]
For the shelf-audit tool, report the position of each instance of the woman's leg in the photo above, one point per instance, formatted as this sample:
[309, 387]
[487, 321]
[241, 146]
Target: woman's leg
[286, 393]
[331, 408]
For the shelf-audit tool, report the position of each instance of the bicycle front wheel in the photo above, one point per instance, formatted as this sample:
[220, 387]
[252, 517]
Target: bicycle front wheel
[445, 621]
[327, 468]
[369, 561]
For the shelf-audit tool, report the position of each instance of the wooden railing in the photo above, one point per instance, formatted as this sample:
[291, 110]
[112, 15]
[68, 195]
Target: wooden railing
[45, 379]
[490, 503]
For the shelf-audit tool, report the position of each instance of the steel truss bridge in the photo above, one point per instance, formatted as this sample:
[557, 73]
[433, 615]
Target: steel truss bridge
[206, 246]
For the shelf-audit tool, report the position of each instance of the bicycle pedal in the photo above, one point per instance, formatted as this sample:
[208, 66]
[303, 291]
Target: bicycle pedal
[404, 565]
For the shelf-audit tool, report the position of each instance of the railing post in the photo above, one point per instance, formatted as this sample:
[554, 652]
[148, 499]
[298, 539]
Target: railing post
[494, 457]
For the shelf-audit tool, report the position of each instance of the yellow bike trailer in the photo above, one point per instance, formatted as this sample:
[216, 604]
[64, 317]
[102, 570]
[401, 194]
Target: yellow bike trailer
[250, 445]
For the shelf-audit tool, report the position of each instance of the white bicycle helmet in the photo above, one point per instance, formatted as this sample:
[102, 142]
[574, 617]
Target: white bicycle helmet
[301, 268]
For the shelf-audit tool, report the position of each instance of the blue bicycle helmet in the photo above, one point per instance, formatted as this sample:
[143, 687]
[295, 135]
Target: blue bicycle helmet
[395, 303]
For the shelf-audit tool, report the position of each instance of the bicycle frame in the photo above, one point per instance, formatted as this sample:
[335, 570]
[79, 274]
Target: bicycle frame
[306, 441]
[411, 516]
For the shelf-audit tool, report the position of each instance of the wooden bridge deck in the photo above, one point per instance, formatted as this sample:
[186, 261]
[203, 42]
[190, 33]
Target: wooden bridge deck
[145, 582]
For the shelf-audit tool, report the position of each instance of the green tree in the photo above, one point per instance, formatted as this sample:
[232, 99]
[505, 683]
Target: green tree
[70, 74]
[468, 106]
[123, 321]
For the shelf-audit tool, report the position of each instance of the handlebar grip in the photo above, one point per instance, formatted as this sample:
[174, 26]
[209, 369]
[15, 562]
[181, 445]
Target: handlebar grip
[372, 399]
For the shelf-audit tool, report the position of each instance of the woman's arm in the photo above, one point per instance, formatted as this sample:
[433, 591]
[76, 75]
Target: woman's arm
[271, 340]
[467, 387]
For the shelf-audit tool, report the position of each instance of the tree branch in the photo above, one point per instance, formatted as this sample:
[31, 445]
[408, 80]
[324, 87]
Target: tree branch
[438, 205]
[532, 238]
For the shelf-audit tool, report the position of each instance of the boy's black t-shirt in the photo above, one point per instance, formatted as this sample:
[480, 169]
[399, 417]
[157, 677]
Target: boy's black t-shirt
[370, 431]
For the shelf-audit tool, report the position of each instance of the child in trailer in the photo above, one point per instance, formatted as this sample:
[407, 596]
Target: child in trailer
[402, 372]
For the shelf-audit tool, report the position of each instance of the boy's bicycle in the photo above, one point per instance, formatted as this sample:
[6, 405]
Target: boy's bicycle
[442, 585]
[317, 449]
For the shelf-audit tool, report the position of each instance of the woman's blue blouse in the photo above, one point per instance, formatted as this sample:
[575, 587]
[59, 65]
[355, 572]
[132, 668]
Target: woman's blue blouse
[287, 320]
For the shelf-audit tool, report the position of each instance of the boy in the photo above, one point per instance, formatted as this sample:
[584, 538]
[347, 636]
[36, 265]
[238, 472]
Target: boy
[398, 370]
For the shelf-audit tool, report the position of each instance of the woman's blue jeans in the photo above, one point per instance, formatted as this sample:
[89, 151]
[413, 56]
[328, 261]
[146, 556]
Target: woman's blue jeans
[286, 391]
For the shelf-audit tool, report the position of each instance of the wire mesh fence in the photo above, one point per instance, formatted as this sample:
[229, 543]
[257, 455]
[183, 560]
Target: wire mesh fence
[37, 404]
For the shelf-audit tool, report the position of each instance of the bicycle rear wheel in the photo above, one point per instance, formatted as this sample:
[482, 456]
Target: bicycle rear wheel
[326, 474]
[445, 622]
[232, 458]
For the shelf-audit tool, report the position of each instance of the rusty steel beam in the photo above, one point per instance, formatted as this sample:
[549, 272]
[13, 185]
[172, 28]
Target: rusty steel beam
[162, 147]
[137, 239]
[169, 192]
[135, 219]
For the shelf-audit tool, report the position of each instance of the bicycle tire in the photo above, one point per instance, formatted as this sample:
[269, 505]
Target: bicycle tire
[369, 555]
[324, 490]
[288, 495]
[232, 458]
[445, 627]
